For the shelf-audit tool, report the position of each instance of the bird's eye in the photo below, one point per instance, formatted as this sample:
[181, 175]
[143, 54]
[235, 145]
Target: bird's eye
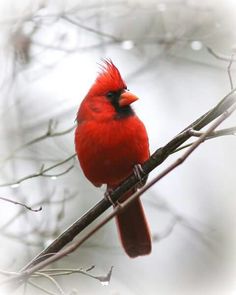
[111, 94]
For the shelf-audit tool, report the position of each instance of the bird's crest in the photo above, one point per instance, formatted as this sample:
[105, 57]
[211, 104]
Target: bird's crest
[109, 79]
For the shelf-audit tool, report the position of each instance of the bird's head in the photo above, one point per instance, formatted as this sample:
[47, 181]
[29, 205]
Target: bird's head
[108, 97]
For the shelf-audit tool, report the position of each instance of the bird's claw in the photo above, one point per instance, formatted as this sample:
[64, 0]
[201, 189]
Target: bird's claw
[108, 198]
[138, 171]
[139, 174]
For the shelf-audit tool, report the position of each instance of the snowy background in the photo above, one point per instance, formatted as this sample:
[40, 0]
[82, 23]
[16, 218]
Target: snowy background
[49, 58]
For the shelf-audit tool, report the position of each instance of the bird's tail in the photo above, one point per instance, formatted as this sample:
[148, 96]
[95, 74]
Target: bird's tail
[133, 229]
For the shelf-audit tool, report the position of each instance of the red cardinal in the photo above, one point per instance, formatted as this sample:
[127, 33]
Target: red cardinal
[110, 140]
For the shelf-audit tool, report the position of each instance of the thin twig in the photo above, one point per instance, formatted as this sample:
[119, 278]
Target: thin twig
[160, 236]
[63, 271]
[54, 282]
[217, 133]
[21, 204]
[42, 172]
[177, 219]
[219, 55]
[41, 288]
[49, 133]
[72, 50]
[229, 71]
[89, 29]
[45, 201]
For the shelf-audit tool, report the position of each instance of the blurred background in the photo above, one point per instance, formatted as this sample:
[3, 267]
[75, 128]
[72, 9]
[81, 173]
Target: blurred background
[174, 55]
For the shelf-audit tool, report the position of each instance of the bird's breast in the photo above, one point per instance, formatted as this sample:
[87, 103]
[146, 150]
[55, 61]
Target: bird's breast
[108, 151]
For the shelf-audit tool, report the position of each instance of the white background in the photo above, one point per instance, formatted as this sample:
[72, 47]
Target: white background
[165, 62]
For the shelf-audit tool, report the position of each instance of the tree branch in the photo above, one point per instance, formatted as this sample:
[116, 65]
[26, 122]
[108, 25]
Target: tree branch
[217, 133]
[42, 172]
[49, 133]
[155, 160]
[219, 55]
[21, 204]
[52, 252]
[33, 267]
[89, 29]
[43, 202]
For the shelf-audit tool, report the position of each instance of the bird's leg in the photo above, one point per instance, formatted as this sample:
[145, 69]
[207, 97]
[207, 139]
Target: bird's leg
[139, 174]
[108, 197]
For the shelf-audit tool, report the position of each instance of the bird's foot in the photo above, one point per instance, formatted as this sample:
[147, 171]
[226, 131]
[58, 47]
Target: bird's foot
[107, 196]
[140, 175]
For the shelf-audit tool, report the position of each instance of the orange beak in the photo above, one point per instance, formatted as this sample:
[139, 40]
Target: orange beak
[127, 98]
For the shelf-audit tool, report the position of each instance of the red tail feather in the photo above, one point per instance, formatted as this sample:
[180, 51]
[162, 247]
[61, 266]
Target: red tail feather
[133, 230]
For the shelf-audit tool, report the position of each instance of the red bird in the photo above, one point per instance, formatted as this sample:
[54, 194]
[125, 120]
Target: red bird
[110, 140]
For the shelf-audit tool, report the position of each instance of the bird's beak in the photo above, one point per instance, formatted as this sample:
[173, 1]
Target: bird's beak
[126, 98]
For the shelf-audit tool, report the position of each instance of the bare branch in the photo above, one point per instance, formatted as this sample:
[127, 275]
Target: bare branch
[21, 204]
[45, 201]
[218, 133]
[219, 55]
[34, 266]
[41, 288]
[167, 232]
[229, 71]
[72, 50]
[155, 160]
[54, 282]
[105, 279]
[92, 30]
[49, 133]
[177, 219]
[42, 172]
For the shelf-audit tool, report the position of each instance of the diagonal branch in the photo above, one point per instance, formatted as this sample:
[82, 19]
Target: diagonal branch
[53, 252]
[155, 160]
[32, 268]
